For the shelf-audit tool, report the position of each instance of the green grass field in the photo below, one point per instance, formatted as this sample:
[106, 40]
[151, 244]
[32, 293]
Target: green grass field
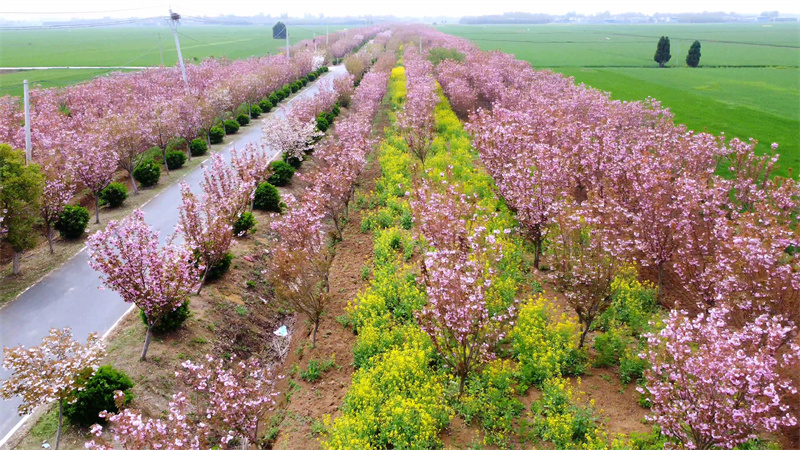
[748, 84]
[128, 46]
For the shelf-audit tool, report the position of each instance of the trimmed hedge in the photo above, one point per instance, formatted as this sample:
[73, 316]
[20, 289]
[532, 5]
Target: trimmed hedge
[244, 224]
[114, 195]
[231, 126]
[216, 134]
[175, 160]
[266, 104]
[255, 111]
[216, 271]
[98, 396]
[282, 173]
[198, 147]
[267, 198]
[242, 119]
[72, 222]
[147, 173]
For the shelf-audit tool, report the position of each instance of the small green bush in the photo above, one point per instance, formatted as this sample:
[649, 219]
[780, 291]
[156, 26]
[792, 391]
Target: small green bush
[329, 116]
[312, 76]
[266, 104]
[171, 321]
[322, 123]
[198, 147]
[216, 134]
[304, 80]
[216, 271]
[336, 110]
[98, 396]
[292, 161]
[282, 173]
[278, 95]
[295, 86]
[72, 222]
[231, 126]
[267, 198]
[242, 119]
[244, 224]
[114, 195]
[255, 111]
[611, 346]
[153, 153]
[147, 173]
[175, 160]
[316, 368]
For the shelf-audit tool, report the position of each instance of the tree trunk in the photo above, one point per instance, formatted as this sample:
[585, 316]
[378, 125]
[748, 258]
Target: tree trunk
[537, 252]
[96, 207]
[146, 342]
[49, 234]
[133, 183]
[584, 333]
[461, 382]
[314, 334]
[660, 282]
[15, 264]
[202, 281]
[164, 152]
[60, 415]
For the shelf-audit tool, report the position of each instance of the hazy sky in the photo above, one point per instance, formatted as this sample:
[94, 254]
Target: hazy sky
[60, 9]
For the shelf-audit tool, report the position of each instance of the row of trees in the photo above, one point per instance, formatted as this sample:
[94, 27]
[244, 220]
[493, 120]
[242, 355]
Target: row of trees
[607, 182]
[83, 134]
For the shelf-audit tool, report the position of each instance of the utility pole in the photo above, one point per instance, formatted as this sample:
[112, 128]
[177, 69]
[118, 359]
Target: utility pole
[287, 39]
[326, 35]
[173, 23]
[27, 100]
[315, 42]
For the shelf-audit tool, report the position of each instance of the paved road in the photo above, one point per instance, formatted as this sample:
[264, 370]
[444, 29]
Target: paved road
[69, 296]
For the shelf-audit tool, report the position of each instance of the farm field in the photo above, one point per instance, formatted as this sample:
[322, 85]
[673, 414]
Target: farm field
[128, 46]
[747, 85]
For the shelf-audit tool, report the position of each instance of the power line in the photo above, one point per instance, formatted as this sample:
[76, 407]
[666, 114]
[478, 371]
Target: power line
[40, 13]
[79, 25]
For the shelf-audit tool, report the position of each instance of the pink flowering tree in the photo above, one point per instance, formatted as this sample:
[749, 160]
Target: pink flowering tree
[582, 265]
[289, 135]
[300, 262]
[714, 385]
[457, 273]
[234, 396]
[416, 121]
[131, 431]
[93, 166]
[56, 193]
[207, 234]
[227, 190]
[131, 261]
[50, 372]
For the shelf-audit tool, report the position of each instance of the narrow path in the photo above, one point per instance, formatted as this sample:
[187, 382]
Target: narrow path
[70, 295]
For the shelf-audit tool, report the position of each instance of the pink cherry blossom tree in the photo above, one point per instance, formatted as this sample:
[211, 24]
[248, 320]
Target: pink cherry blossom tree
[93, 167]
[56, 193]
[50, 372]
[714, 385]
[131, 261]
[289, 135]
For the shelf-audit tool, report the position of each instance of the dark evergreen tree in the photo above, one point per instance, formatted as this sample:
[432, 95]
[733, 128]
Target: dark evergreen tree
[662, 51]
[693, 58]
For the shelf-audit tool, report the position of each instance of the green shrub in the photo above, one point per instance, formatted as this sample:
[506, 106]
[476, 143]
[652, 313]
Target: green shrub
[266, 103]
[216, 271]
[322, 123]
[255, 111]
[114, 195]
[312, 76]
[336, 110]
[282, 173]
[72, 222]
[267, 198]
[556, 419]
[171, 321]
[633, 303]
[153, 153]
[292, 160]
[295, 86]
[610, 346]
[242, 119]
[280, 94]
[631, 366]
[231, 126]
[216, 134]
[98, 396]
[304, 80]
[198, 147]
[147, 173]
[244, 224]
[175, 160]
